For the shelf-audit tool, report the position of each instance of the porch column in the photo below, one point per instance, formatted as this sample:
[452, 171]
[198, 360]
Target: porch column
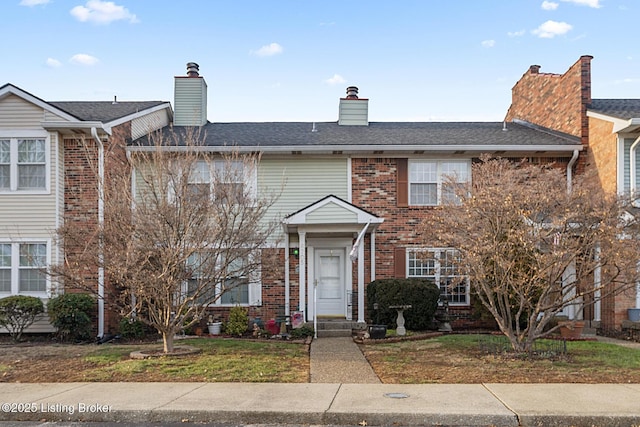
[287, 279]
[373, 256]
[597, 283]
[361, 283]
[302, 265]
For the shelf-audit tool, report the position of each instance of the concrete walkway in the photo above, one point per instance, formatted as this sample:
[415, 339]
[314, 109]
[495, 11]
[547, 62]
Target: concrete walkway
[339, 361]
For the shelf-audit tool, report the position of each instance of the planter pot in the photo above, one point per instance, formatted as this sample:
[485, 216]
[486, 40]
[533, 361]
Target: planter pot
[634, 314]
[377, 332]
[215, 328]
[571, 329]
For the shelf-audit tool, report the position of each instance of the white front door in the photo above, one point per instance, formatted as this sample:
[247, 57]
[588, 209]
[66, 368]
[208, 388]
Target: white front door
[329, 272]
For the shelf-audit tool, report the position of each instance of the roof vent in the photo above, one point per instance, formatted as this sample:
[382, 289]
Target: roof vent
[193, 69]
[352, 92]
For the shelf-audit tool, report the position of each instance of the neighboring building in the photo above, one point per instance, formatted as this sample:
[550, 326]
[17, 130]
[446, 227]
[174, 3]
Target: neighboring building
[609, 130]
[49, 155]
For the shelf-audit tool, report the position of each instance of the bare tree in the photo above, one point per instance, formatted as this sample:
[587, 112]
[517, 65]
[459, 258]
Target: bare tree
[531, 249]
[182, 229]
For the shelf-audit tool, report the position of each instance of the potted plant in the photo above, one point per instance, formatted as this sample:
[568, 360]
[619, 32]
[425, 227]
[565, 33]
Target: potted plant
[215, 328]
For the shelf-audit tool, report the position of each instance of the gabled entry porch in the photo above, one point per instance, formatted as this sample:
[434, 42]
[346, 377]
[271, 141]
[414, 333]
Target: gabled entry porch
[329, 237]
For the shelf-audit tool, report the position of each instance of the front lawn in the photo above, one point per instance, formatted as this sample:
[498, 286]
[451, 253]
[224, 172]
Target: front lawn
[221, 360]
[452, 359]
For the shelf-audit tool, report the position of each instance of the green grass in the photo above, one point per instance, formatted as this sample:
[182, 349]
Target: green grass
[459, 358]
[222, 360]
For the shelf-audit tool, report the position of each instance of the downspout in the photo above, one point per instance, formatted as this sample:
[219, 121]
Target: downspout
[632, 167]
[94, 134]
[570, 170]
[632, 192]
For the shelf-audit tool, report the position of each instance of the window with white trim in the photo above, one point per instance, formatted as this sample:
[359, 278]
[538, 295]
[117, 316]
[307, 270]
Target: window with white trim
[233, 290]
[23, 164]
[224, 179]
[428, 184]
[21, 265]
[440, 266]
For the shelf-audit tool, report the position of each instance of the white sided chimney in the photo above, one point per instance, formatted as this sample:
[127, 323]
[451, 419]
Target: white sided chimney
[190, 98]
[353, 111]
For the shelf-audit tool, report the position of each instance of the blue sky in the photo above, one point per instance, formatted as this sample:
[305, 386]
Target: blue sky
[291, 60]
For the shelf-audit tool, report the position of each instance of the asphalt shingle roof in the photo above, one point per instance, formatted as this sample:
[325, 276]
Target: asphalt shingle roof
[103, 111]
[297, 134]
[620, 108]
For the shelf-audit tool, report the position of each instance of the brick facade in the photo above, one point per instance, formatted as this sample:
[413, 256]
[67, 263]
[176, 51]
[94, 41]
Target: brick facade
[556, 101]
[81, 200]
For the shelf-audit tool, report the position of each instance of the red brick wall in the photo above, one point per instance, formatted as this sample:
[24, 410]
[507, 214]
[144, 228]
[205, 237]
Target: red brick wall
[555, 101]
[81, 197]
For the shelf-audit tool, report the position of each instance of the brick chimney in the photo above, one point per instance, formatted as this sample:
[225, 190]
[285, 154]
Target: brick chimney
[353, 111]
[190, 98]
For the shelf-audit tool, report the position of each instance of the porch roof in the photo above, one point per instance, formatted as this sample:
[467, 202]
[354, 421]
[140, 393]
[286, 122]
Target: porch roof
[330, 210]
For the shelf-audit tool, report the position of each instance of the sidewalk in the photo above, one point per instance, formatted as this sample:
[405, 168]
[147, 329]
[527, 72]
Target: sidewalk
[589, 405]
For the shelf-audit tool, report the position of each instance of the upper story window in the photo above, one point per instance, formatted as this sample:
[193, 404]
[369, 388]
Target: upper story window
[429, 184]
[224, 180]
[23, 164]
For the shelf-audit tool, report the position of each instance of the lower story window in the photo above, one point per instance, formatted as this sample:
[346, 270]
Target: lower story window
[233, 290]
[440, 265]
[21, 265]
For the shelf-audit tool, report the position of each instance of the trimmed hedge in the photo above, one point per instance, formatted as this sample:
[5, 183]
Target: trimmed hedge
[71, 314]
[18, 312]
[421, 294]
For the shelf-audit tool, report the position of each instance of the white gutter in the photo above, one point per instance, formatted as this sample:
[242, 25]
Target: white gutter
[399, 149]
[570, 170]
[632, 167]
[94, 134]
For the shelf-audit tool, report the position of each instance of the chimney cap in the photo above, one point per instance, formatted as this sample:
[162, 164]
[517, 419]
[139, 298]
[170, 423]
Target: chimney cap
[193, 69]
[352, 92]
[534, 69]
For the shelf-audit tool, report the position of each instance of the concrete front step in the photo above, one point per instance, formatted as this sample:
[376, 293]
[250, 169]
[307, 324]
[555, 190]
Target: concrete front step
[335, 327]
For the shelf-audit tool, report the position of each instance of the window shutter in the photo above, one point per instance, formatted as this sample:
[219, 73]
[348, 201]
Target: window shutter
[400, 262]
[402, 182]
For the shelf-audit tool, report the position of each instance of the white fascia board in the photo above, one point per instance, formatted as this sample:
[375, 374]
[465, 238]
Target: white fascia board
[13, 90]
[363, 217]
[619, 125]
[345, 149]
[142, 113]
[85, 126]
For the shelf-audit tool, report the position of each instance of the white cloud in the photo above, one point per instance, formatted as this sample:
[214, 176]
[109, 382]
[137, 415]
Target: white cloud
[268, 50]
[488, 43]
[335, 80]
[591, 3]
[32, 3]
[627, 81]
[53, 63]
[516, 33]
[549, 5]
[550, 29]
[83, 59]
[102, 12]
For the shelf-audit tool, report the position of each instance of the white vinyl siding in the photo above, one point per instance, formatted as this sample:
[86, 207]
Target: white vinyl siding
[300, 182]
[428, 180]
[16, 113]
[142, 126]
